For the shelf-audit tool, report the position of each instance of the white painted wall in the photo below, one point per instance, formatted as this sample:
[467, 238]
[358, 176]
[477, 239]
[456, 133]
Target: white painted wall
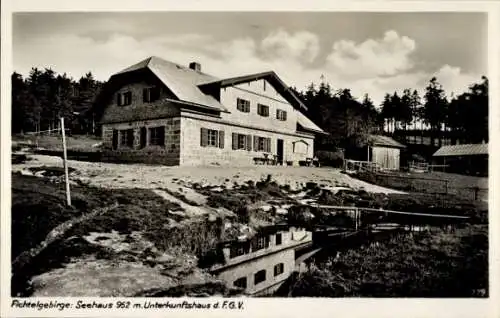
[255, 93]
[192, 153]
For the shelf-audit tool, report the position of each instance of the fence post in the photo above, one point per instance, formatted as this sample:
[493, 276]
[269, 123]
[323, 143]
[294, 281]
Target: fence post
[65, 161]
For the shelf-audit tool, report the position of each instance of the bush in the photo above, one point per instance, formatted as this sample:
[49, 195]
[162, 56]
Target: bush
[437, 264]
[330, 158]
[19, 159]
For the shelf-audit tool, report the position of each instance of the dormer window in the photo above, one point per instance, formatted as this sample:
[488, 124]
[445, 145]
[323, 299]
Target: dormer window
[243, 105]
[124, 99]
[150, 94]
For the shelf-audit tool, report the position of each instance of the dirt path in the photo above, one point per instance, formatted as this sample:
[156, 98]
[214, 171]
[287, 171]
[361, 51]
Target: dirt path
[147, 176]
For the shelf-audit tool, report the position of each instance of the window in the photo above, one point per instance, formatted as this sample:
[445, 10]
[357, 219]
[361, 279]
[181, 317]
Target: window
[124, 99]
[240, 282]
[241, 141]
[157, 136]
[127, 138]
[281, 114]
[243, 105]
[262, 144]
[150, 94]
[212, 138]
[278, 239]
[259, 277]
[260, 242]
[263, 110]
[264, 85]
[279, 269]
[239, 249]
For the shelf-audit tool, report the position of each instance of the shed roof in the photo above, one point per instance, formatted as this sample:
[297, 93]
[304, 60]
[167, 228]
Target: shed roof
[462, 150]
[384, 141]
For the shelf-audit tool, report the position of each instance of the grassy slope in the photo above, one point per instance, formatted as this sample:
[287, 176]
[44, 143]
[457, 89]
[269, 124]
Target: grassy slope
[77, 142]
[38, 207]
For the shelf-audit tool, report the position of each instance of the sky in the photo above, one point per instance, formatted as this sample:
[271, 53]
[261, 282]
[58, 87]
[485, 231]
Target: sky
[373, 53]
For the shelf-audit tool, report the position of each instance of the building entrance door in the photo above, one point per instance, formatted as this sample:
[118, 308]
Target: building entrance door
[279, 151]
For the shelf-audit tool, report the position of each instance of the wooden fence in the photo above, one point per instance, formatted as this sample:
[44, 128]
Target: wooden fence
[438, 187]
[365, 216]
[358, 166]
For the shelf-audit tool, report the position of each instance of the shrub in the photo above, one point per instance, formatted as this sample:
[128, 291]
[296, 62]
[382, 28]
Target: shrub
[330, 158]
[437, 264]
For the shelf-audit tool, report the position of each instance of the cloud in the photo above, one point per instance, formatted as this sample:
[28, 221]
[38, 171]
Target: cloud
[280, 44]
[373, 66]
[374, 57]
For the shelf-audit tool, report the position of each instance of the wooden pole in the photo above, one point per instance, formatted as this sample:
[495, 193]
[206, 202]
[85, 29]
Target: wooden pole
[356, 217]
[65, 161]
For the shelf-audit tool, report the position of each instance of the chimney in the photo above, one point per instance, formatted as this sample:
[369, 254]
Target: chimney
[195, 66]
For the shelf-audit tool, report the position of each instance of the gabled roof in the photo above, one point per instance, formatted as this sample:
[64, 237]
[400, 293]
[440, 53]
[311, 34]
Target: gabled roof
[384, 141]
[181, 80]
[462, 150]
[280, 86]
[270, 76]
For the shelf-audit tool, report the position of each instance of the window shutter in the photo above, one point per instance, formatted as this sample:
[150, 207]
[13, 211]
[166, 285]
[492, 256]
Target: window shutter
[268, 144]
[284, 115]
[115, 139]
[143, 137]
[204, 137]
[221, 139]
[235, 141]
[255, 143]
[130, 138]
[249, 143]
[162, 135]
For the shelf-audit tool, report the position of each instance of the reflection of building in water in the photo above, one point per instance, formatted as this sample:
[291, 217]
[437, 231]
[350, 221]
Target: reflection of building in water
[260, 265]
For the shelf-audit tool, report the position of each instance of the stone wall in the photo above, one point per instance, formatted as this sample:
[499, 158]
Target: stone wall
[168, 154]
[139, 110]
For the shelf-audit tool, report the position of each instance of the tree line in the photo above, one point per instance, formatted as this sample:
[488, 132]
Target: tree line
[40, 99]
[462, 118]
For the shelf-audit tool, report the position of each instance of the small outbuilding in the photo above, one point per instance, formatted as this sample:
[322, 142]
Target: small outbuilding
[384, 151]
[471, 159]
